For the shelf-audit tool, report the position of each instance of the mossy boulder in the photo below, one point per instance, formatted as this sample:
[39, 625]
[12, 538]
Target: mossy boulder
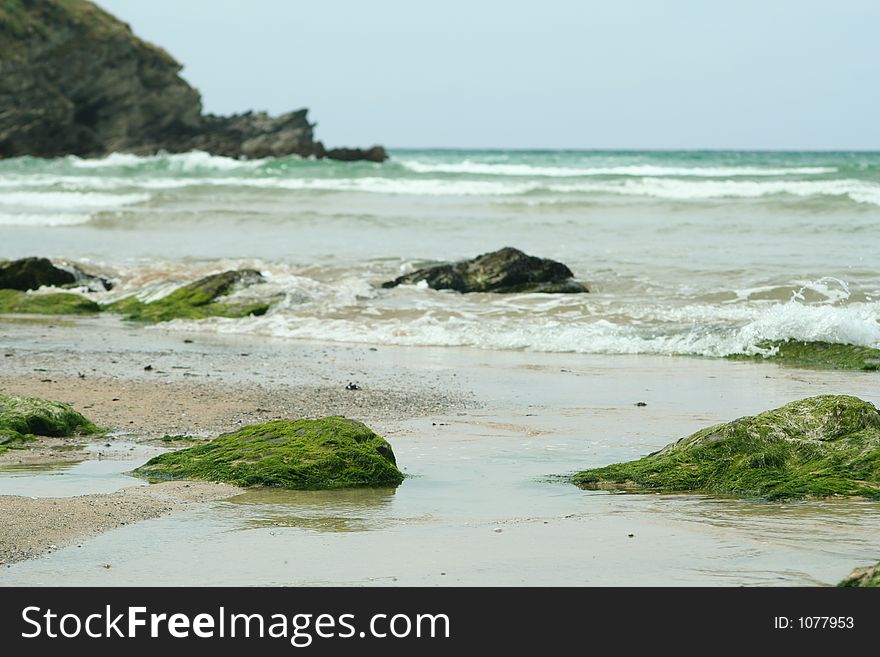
[331, 452]
[61, 303]
[867, 577]
[816, 447]
[23, 417]
[198, 300]
[507, 270]
[817, 355]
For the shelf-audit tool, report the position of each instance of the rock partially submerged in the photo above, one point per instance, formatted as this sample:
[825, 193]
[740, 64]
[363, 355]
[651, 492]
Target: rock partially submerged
[198, 300]
[867, 577]
[331, 452]
[33, 273]
[21, 418]
[206, 297]
[816, 447]
[816, 355]
[372, 154]
[507, 270]
[75, 80]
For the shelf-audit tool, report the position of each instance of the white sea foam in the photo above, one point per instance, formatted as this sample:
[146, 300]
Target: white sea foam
[43, 219]
[193, 161]
[860, 191]
[644, 170]
[83, 189]
[708, 334]
[69, 200]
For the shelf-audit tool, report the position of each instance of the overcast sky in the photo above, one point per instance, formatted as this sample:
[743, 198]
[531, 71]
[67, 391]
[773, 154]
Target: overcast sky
[762, 74]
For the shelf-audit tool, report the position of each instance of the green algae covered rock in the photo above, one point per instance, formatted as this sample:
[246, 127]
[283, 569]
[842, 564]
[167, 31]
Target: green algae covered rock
[61, 303]
[817, 355]
[197, 300]
[23, 417]
[331, 452]
[867, 577]
[816, 447]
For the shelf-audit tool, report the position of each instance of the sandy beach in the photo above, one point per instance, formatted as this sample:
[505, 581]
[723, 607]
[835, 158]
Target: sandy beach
[480, 434]
[30, 527]
[183, 392]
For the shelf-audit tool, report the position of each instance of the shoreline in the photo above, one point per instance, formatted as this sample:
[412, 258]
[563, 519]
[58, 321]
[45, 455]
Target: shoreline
[31, 527]
[179, 395]
[487, 427]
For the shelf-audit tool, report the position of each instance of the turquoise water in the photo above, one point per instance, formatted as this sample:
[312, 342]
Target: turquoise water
[685, 252]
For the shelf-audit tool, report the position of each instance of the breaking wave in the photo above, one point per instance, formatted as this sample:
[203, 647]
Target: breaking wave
[493, 169]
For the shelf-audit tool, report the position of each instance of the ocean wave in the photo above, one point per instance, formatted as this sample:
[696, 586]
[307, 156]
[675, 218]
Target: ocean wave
[645, 170]
[706, 336]
[191, 162]
[74, 200]
[43, 219]
[858, 190]
[83, 191]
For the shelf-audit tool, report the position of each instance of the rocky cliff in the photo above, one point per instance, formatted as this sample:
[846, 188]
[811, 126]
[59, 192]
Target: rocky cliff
[75, 80]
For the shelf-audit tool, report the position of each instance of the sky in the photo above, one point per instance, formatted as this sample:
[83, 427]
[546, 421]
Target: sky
[624, 74]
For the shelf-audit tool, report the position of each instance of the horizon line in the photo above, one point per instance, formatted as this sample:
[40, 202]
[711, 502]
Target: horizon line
[635, 150]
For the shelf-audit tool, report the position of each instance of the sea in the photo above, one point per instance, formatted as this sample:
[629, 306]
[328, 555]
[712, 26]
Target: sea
[684, 252]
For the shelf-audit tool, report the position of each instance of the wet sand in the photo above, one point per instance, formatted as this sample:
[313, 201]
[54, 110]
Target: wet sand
[144, 385]
[480, 434]
[33, 526]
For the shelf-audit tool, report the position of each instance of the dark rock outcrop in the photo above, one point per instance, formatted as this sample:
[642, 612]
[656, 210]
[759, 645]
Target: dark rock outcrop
[33, 273]
[374, 154]
[75, 80]
[507, 270]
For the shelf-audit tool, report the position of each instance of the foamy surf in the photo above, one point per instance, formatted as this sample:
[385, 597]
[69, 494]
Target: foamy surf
[191, 162]
[86, 191]
[43, 219]
[500, 169]
[344, 305]
[69, 200]
[600, 336]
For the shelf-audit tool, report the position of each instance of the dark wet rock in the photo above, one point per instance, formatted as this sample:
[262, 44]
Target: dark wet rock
[75, 80]
[867, 577]
[824, 446]
[33, 273]
[374, 154]
[331, 452]
[197, 300]
[507, 270]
